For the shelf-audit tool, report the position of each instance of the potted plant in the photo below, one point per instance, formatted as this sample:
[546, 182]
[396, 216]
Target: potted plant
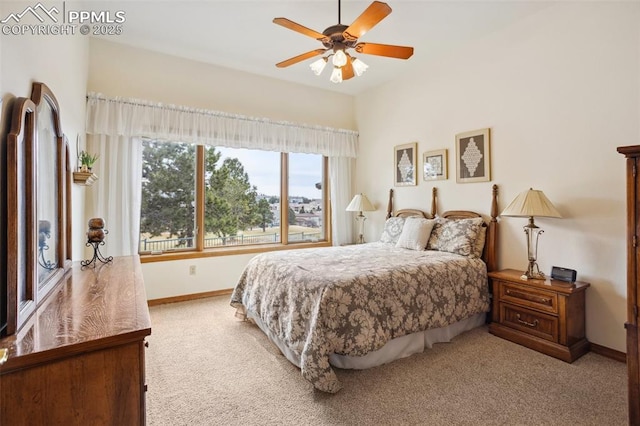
[87, 161]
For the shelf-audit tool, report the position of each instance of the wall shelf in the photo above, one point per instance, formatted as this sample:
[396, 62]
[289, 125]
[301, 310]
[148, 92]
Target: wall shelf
[84, 178]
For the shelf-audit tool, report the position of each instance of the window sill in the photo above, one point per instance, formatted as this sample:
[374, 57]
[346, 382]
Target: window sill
[230, 251]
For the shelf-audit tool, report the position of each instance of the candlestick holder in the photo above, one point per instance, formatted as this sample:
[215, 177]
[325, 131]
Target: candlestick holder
[95, 239]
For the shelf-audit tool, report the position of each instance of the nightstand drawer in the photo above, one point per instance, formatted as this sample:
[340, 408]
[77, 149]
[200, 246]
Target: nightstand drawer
[534, 298]
[530, 322]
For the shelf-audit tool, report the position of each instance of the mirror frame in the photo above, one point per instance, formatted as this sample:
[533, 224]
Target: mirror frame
[22, 192]
[41, 93]
[21, 267]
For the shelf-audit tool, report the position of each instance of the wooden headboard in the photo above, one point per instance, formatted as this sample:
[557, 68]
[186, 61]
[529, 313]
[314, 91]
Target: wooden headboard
[414, 212]
[490, 252]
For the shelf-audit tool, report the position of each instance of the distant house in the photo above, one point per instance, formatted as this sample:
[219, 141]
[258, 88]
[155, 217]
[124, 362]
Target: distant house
[310, 220]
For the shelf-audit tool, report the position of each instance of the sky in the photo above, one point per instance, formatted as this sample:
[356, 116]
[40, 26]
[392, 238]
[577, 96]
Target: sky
[263, 168]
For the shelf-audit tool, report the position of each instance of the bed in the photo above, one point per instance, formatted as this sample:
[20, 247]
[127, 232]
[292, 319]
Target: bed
[363, 305]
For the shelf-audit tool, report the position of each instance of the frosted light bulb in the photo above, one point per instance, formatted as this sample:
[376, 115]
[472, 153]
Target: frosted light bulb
[336, 75]
[318, 66]
[339, 58]
[359, 67]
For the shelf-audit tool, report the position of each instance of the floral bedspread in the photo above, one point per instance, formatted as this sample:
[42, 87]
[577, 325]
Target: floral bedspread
[352, 300]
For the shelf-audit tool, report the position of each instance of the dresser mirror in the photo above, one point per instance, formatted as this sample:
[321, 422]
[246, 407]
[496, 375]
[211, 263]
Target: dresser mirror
[38, 204]
[20, 216]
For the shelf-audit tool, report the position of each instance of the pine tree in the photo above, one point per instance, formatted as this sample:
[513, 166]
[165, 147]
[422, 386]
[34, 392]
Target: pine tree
[265, 215]
[168, 191]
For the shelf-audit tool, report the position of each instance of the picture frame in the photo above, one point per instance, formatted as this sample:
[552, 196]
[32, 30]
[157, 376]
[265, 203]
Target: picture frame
[473, 156]
[435, 165]
[405, 164]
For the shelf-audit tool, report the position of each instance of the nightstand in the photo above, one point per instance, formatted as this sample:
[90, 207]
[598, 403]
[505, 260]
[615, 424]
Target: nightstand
[544, 315]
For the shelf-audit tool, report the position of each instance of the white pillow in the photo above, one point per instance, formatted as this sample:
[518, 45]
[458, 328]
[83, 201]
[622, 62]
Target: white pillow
[415, 233]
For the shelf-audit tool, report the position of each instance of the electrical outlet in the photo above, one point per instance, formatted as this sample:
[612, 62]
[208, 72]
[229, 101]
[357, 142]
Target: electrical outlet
[192, 269]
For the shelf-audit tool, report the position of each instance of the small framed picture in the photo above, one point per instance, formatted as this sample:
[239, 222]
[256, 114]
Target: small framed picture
[405, 168]
[434, 165]
[473, 156]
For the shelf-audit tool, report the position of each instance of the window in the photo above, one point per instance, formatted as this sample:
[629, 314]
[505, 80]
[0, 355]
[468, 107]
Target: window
[234, 196]
[167, 219]
[306, 203]
[241, 186]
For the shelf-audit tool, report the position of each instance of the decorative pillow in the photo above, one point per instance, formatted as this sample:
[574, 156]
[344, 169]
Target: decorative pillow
[455, 236]
[392, 230]
[415, 233]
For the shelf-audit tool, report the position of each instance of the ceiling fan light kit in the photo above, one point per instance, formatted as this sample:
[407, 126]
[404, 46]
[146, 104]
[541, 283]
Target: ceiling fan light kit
[338, 38]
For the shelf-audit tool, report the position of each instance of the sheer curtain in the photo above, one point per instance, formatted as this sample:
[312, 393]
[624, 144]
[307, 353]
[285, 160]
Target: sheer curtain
[340, 169]
[115, 127]
[116, 195]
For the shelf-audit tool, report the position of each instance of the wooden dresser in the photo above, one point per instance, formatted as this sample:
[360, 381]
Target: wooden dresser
[545, 315]
[632, 153]
[79, 360]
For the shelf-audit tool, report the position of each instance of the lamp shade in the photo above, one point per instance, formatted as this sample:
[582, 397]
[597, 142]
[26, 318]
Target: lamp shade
[529, 204]
[360, 203]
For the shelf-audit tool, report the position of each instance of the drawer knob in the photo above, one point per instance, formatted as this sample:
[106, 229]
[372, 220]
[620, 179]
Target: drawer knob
[528, 324]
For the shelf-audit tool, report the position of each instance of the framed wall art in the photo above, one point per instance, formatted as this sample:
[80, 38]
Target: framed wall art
[434, 165]
[473, 157]
[405, 164]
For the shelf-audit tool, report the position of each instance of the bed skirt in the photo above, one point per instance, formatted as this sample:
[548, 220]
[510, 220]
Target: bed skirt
[397, 348]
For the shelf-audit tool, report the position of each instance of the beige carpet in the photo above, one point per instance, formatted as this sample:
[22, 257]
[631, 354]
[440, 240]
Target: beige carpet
[205, 367]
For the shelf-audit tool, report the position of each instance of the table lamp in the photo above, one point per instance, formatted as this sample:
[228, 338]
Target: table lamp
[530, 204]
[360, 203]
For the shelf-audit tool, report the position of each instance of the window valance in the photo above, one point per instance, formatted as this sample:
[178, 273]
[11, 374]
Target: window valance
[133, 117]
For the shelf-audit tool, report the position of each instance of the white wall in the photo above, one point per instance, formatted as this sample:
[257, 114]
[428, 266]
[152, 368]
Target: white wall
[166, 279]
[119, 70]
[560, 91]
[61, 63]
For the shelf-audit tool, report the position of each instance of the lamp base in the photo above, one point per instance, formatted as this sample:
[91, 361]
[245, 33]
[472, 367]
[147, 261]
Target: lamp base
[533, 272]
[360, 219]
[533, 234]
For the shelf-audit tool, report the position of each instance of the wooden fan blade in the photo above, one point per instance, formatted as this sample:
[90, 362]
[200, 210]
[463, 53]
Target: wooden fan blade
[299, 28]
[300, 58]
[347, 70]
[388, 50]
[375, 13]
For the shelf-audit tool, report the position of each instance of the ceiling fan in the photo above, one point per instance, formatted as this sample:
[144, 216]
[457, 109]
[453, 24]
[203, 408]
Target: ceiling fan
[338, 38]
